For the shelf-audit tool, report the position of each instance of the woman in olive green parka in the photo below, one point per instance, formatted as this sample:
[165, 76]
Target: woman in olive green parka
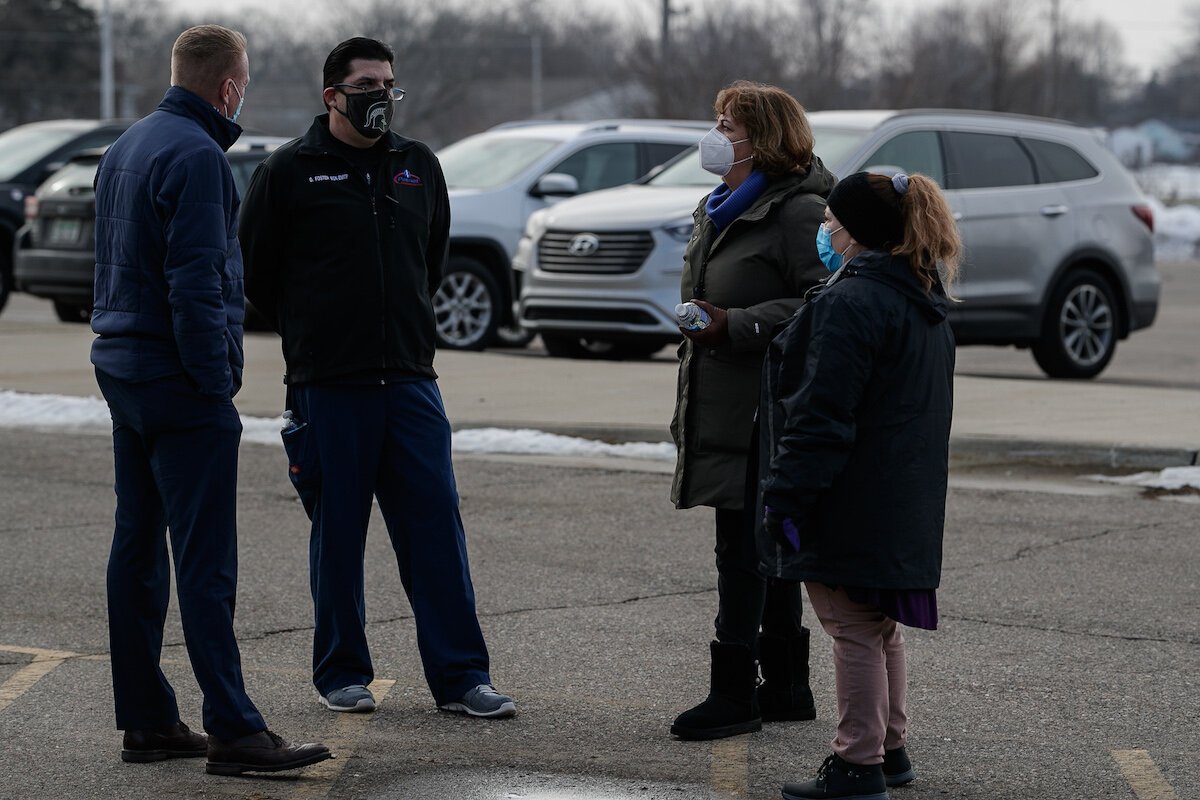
[748, 264]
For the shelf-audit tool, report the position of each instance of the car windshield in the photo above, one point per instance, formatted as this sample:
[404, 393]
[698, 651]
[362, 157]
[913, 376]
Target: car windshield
[487, 161]
[831, 144]
[25, 145]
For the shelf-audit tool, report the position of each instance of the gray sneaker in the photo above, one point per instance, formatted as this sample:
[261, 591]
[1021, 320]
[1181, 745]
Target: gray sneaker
[483, 701]
[355, 699]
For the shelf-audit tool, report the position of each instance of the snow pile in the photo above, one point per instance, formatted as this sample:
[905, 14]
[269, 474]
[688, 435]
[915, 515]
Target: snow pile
[525, 441]
[19, 410]
[1176, 230]
[1173, 478]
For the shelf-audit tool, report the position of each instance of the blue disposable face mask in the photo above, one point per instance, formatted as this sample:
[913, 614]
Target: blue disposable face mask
[830, 257]
[241, 99]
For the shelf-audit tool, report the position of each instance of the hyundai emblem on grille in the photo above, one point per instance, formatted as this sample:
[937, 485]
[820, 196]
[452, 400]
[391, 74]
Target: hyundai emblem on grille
[585, 244]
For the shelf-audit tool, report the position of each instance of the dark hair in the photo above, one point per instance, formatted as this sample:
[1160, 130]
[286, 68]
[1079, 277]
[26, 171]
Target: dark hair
[780, 136]
[337, 65]
[905, 215]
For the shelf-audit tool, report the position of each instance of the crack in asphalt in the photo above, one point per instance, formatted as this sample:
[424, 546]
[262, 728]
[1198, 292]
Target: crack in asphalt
[1088, 634]
[492, 614]
[1029, 550]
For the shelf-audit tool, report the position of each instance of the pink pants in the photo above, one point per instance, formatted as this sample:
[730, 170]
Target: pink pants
[869, 667]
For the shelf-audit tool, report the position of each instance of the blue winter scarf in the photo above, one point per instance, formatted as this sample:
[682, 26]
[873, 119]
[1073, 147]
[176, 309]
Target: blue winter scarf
[725, 205]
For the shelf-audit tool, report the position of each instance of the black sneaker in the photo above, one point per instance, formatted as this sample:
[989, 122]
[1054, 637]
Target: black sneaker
[842, 780]
[897, 769]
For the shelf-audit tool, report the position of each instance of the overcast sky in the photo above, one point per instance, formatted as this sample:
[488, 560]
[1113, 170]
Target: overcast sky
[1152, 30]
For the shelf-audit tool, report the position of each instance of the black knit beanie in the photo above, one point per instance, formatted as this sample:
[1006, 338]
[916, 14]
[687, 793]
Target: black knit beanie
[872, 220]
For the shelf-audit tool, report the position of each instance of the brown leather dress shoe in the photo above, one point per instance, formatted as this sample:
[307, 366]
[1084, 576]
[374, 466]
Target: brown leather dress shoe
[142, 746]
[260, 752]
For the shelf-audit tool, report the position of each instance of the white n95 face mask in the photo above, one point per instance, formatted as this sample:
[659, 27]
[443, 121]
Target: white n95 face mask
[716, 153]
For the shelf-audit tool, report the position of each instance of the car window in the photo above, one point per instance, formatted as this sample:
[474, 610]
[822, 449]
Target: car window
[487, 161]
[601, 166]
[833, 145]
[658, 153]
[243, 169]
[979, 160]
[915, 151]
[685, 170]
[22, 147]
[1057, 163]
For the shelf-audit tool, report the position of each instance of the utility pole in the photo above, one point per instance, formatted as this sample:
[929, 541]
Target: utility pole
[1055, 56]
[664, 60]
[535, 78]
[107, 93]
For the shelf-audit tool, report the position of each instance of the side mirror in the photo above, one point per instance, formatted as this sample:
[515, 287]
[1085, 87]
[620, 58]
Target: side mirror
[555, 184]
[50, 169]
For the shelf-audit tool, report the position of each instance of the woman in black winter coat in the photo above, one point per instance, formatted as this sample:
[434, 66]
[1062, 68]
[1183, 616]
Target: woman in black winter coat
[855, 429]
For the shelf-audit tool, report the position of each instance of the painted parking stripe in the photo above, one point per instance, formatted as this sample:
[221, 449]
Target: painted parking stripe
[44, 662]
[319, 779]
[1143, 775]
[730, 769]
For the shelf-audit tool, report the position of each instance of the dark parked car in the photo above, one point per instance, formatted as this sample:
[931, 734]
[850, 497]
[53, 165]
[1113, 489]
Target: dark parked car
[55, 251]
[29, 154]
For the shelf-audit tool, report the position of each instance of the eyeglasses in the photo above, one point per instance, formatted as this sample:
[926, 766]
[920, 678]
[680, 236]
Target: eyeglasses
[395, 93]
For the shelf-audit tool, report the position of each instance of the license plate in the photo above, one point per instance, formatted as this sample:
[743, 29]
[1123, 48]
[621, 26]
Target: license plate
[64, 230]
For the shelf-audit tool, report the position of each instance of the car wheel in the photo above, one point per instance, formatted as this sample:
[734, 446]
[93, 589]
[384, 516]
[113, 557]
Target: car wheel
[72, 312]
[466, 305]
[566, 345]
[513, 336]
[1079, 335]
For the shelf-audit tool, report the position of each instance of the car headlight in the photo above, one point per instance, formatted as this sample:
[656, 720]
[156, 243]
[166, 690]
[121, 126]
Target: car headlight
[535, 226]
[680, 231]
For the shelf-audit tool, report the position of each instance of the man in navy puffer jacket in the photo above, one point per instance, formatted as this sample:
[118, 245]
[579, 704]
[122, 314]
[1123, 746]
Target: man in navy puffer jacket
[168, 313]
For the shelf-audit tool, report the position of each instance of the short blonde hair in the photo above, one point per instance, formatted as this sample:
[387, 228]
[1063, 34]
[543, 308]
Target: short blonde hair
[780, 135]
[204, 56]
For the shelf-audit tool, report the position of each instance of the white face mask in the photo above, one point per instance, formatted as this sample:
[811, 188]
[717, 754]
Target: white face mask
[716, 153]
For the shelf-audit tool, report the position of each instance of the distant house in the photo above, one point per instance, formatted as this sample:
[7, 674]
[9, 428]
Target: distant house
[1132, 146]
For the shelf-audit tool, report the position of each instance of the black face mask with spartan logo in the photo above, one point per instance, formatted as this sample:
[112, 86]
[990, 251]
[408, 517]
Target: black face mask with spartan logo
[370, 112]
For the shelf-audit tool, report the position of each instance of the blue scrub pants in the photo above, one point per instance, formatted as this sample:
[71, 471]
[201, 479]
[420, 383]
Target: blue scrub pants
[176, 454]
[391, 442]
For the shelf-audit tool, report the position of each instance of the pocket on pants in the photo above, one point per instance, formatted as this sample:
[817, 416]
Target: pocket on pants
[304, 463]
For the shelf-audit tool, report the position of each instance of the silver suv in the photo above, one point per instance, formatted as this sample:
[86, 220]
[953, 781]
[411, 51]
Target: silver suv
[1059, 252]
[499, 177]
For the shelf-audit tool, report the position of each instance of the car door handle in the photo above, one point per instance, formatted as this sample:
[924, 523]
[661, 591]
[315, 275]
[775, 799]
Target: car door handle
[1053, 211]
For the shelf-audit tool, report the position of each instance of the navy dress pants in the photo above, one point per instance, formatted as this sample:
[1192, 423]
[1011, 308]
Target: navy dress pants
[390, 442]
[176, 454]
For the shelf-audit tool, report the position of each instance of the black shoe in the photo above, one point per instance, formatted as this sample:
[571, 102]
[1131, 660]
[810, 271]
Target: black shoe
[842, 780]
[260, 752]
[784, 693]
[731, 707]
[176, 741]
[897, 769]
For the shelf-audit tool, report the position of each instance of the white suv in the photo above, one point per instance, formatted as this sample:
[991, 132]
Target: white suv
[498, 178]
[1057, 236]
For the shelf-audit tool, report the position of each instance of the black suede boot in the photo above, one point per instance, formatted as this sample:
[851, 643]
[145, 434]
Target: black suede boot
[731, 707]
[784, 693]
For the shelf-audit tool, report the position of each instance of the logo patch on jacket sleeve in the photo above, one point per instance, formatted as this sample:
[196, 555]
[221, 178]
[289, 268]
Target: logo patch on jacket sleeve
[406, 178]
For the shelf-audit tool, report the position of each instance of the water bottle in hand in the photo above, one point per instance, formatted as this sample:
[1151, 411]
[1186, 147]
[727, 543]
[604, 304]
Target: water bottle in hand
[692, 317]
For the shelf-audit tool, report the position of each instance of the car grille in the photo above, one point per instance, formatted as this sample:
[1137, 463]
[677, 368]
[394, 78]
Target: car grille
[612, 253]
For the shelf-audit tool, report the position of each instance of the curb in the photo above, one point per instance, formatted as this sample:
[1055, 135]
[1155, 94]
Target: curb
[965, 449]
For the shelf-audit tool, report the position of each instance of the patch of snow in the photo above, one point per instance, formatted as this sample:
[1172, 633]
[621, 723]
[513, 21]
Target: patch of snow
[1169, 478]
[21, 410]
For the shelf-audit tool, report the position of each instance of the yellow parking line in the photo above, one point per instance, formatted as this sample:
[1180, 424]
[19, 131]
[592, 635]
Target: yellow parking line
[1143, 776]
[730, 770]
[347, 730]
[44, 662]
